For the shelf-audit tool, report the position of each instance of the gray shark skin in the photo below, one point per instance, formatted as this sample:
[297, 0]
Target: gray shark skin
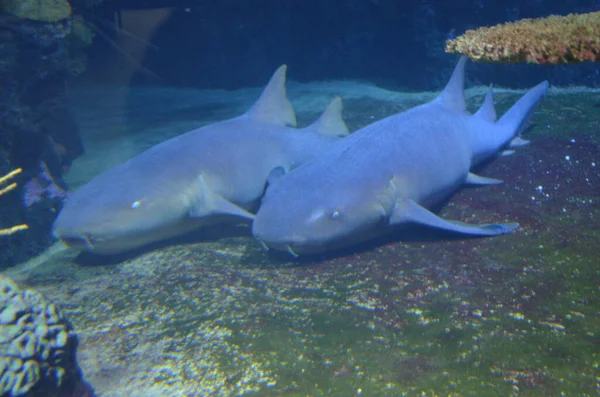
[389, 173]
[211, 174]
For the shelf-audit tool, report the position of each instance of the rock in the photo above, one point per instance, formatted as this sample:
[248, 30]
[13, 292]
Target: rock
[38, 347]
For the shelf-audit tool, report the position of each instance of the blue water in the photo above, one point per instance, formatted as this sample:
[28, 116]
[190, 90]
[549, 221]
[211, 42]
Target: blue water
[211, 313]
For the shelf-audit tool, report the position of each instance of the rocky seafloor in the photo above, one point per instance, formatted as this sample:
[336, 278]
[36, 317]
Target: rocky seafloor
[418, 314]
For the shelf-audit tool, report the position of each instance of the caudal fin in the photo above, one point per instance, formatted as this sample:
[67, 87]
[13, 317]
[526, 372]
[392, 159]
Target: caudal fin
[273, 105]
[515, 119]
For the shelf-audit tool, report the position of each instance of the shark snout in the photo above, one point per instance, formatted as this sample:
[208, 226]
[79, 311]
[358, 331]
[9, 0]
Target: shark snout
[74, 239]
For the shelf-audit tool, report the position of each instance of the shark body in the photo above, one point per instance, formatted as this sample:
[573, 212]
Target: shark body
[214, 173]
[389, 174]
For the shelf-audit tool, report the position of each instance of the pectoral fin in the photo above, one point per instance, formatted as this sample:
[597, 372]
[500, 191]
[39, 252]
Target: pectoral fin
[208, 203]
[409, 211]
[474, 179]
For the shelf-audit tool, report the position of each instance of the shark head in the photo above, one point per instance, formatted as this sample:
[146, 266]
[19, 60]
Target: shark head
[109, 222]
[298, 221]
[122, 209]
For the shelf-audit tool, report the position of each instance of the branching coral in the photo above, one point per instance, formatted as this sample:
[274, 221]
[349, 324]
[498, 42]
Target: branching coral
[553, 40]
[4, 179]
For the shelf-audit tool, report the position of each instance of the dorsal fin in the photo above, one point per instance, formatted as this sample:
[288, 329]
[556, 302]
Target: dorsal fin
[453, 96]
[331, 122]
[487, 111]
[273, 105]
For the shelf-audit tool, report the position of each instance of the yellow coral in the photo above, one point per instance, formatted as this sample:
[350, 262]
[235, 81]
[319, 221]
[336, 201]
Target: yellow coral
[38, 10]
[12, 186]
[552, 40]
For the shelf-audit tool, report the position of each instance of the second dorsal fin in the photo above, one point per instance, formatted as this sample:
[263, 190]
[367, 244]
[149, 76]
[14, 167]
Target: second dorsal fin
[331, 122]
[487, 111]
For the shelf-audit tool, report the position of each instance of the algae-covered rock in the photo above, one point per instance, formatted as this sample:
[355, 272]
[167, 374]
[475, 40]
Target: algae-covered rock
[38, 10]
[37, 346]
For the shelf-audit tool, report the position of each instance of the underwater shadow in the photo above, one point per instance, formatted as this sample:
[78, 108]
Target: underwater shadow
[410, 234]
[203, 235]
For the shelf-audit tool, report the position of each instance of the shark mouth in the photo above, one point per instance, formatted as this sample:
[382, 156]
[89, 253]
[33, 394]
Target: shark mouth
[81, 242]
[288, 247]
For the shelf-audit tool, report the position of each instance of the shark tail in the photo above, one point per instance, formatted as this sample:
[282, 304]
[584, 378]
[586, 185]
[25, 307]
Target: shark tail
[513, 122]
[489, 137]
[331, 122]
[273, 105]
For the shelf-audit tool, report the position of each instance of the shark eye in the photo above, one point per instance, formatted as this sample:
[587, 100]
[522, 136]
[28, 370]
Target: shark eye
[335, 214]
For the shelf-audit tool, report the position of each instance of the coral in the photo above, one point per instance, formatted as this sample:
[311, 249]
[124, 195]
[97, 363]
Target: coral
[38, 10]
[553, 40]
[37, 346]
[42, 187]
[10, 187]
[36, 123]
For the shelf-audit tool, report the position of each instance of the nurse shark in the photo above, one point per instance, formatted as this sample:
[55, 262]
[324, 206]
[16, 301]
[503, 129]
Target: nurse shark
[214, 173]
[390, 173]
